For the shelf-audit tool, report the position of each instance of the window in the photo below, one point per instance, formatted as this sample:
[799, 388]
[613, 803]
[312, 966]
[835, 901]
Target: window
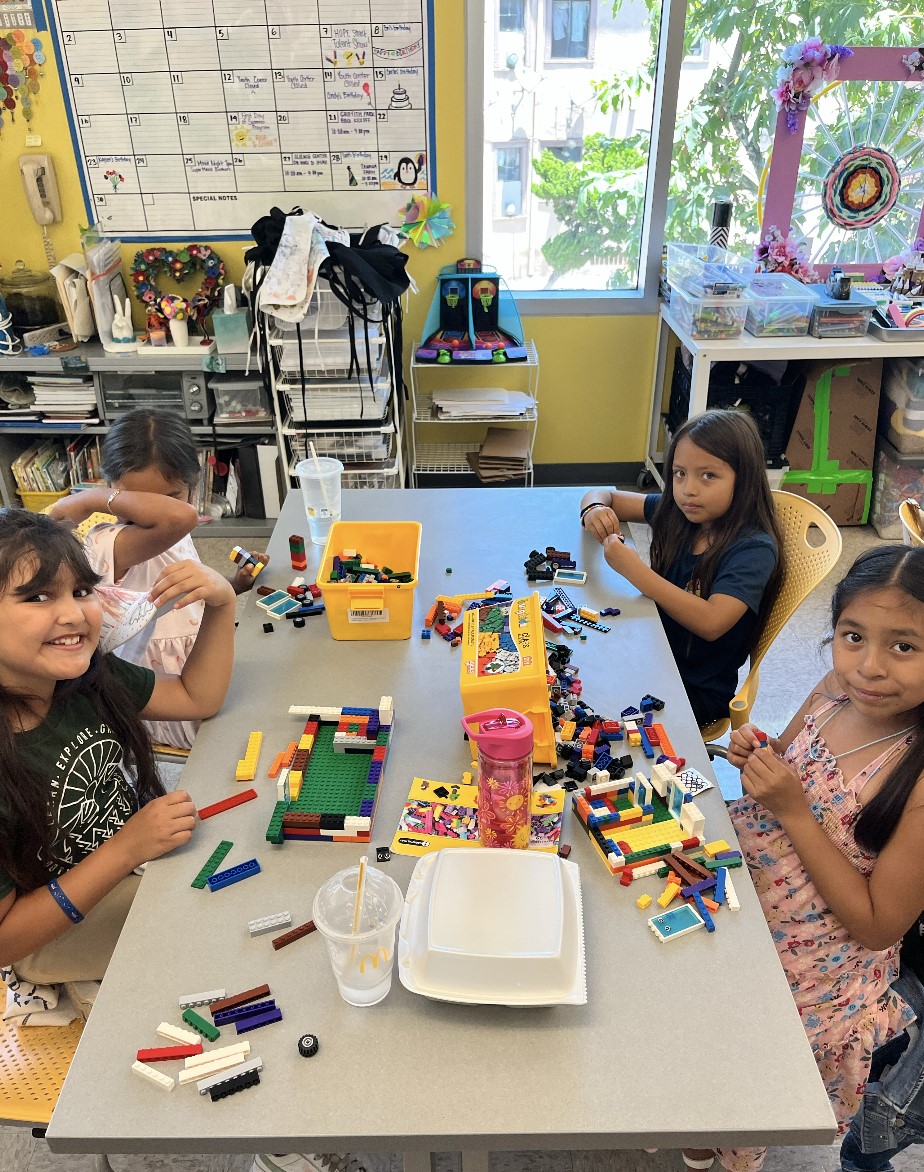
[638, 115]
[510, 168]
[511, 17]
[570, 31]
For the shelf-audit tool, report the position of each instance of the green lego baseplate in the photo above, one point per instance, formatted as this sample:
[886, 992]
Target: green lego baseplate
[333, 784]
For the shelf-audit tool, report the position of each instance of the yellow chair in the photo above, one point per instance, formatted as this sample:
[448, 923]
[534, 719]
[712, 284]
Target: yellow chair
[806, 566]
[911, 516]
[33, 1063]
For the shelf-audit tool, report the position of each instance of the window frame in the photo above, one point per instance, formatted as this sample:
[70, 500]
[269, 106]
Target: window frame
[550, 303]
[525, 4]
[549, 56]
[525, 178]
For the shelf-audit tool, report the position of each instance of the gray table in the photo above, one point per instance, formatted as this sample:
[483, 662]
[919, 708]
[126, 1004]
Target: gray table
[411, 1074]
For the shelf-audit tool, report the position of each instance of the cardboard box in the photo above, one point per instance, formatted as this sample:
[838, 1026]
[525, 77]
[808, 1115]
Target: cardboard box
[833, 441]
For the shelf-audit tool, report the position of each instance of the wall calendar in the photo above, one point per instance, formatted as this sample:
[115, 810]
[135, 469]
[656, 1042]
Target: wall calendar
[198, 118]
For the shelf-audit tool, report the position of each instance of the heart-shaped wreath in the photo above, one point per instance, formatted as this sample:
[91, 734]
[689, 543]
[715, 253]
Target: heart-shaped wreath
[148, 265]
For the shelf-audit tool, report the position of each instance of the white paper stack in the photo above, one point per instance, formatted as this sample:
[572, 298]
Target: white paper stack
[480, 402]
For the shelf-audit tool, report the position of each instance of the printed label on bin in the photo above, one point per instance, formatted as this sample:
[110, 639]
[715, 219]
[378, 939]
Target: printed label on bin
[368, 616]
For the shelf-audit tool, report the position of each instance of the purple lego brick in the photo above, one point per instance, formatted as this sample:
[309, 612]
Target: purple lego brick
[255, 1023]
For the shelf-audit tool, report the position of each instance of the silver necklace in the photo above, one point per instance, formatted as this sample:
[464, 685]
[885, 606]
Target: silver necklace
[869, 744]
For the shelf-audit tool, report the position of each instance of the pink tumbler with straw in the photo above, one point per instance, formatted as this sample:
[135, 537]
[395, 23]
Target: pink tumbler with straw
[505, 775]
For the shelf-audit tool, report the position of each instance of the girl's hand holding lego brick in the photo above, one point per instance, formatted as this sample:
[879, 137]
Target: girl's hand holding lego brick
[191, 581]
[619, 556]
[602, 522]
[744, 740]
[244, 579]
[775, 784]
[158, 828]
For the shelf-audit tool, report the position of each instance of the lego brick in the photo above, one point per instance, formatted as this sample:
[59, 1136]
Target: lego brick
[194, 1073]
[201, 1026]
[704, 912]
[295, 934]
[731, 896]
[258, 1022]
[190, 1000]
[168, 1053]
[247, 766]
[643, 901]
[232, 1050]
[668, 895]
[226, 1078]
[211, 863]
[721, 878]
[235, 999]
[176, 1035]
[265, 924]
[223, 879]
[254, 1009]
[680, 921]
[157, 1077]
[246, 795]
[713, 848]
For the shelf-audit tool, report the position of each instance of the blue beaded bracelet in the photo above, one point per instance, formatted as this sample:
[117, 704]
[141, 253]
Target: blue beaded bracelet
[64, 903]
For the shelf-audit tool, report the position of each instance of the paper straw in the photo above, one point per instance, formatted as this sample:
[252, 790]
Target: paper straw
[360, 891]
[317, 468]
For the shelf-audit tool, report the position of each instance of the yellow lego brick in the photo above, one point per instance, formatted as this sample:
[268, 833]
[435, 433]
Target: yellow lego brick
[588, 613]
[643, 901]
[713, 848]
[305, 741]
[635, 738]
[639, 837]
[295, 788]
[668, 895]
[295, 775]
[568, 730]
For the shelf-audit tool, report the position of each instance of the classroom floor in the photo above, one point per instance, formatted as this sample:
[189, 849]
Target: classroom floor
[792, 666]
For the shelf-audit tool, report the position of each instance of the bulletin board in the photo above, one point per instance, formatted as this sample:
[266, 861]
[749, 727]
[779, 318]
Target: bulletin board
[198, 118]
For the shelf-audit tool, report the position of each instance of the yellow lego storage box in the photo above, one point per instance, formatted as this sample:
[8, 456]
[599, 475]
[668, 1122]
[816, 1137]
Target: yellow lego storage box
[371, 609]
[504, 666]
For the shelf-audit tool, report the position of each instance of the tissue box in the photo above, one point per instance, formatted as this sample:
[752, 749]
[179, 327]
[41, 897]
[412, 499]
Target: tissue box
[231, 331]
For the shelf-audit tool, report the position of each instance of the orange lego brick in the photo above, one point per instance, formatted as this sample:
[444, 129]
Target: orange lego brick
[663, 740]
[276, 766]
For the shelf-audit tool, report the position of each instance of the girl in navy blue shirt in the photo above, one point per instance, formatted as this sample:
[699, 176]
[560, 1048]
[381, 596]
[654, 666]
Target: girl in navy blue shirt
[716, 551]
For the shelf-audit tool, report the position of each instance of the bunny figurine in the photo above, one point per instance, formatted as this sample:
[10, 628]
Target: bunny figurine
[122, 329]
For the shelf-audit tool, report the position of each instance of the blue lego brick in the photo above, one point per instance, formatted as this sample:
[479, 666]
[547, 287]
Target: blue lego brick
[226, 1016]
[704, 912]
[232, 875]
[646, 744]
[359, 711]
[649, 718]
[720, 876]
[630, 711]
[647, 809]
[602, 760]
[255, 1023]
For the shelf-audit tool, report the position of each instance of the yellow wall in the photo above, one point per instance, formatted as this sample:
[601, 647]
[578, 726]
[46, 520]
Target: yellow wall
[595, 373]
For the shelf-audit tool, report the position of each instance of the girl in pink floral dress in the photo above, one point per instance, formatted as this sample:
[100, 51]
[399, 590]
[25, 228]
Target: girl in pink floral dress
[831, 827]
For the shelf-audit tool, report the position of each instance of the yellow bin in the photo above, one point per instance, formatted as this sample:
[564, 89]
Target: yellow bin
[371, 610]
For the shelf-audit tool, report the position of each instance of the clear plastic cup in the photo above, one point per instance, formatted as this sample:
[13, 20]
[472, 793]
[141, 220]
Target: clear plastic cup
[320, 482]
[362, 963]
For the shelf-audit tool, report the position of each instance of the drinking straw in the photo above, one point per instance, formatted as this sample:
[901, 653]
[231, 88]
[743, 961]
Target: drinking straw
[360, 891]
[317, 468]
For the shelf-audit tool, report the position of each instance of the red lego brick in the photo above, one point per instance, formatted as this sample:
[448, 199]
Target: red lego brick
[168, 1053]
[247, 795]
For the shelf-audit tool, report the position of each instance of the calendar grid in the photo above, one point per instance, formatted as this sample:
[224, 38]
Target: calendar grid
[202, 127]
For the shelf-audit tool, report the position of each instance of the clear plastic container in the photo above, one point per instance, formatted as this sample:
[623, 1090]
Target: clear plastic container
[711, 318]
[705, 270]
[840, 319]
[779, 306]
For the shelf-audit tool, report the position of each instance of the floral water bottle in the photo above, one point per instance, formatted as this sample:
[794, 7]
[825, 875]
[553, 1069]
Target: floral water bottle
[505, 775]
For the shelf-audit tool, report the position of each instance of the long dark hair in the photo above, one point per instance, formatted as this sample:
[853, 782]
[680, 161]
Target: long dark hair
[878, 569]
[26, 834]
[144, 437]
[731, 436]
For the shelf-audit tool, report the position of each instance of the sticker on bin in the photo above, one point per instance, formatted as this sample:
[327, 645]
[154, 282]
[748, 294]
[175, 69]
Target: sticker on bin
[368, 615]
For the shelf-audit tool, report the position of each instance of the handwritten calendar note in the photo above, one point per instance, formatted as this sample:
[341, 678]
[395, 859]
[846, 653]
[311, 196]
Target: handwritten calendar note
[199, 117]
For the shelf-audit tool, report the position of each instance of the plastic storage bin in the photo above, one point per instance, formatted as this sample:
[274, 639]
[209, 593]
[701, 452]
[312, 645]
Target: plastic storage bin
[710, 318]
[780, 306]
[895, 476]
[840, 319]
[705, 270]
[371, 610]
[35, 502]
[239, 399]
[901, 407]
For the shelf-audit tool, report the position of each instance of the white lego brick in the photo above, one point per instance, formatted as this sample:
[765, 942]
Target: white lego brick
[179, 1036]
[282, 786]
[386, 710]
[648, 870]
[238, 1049]
[194, 1073]
[191, 1000]
[325, 714]
[164, 1081]
[215, 1080]
[692, 819]
[264, 924]
[731, 896]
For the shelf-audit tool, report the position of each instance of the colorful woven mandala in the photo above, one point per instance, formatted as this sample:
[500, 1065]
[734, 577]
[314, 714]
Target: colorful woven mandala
[861, 187]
